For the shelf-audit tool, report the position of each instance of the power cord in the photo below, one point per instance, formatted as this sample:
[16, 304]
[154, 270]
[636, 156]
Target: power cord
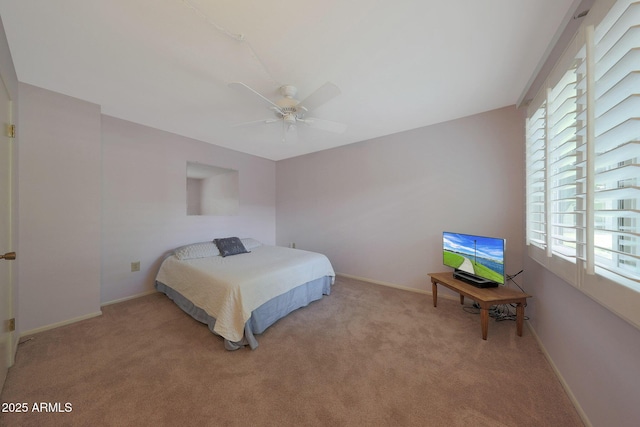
[502, 311]
[498, 312]
[510, 278]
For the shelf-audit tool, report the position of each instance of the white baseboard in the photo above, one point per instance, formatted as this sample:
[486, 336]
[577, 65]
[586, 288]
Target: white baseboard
[566, 387]
[393, 285]
[57, 325]
[128, 298]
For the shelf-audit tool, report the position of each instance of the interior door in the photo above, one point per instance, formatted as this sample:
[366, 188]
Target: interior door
[6, 297]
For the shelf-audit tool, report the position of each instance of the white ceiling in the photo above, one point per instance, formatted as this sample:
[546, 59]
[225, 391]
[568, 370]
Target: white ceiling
[399, 64]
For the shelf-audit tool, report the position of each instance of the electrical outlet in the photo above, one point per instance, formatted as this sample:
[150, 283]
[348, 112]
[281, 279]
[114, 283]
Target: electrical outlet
[135, 266]
[292, 245]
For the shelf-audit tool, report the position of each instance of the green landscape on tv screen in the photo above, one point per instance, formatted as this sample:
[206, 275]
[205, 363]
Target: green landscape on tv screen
[477, 255]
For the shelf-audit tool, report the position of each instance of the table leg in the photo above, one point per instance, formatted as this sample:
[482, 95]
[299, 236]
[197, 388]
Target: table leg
[434, 292]
[484, 322]
[519, 318]
[461, 299]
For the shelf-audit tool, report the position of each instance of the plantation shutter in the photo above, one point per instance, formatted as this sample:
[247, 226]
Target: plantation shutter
[617, 141]
[583, 161]
[536, 158]
[561, 163]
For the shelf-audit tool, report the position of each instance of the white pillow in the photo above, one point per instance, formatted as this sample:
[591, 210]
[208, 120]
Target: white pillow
[250, 243]
[197, 250]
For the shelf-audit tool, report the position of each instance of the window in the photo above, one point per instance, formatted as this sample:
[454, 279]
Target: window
[583, 166]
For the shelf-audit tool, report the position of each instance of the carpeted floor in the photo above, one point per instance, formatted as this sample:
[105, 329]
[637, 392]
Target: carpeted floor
[365, 355]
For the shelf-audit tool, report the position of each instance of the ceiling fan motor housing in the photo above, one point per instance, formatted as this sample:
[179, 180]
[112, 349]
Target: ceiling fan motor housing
[288, 91]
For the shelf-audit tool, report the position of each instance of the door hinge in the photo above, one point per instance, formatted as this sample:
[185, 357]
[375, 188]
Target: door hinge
[11, 324]
[9, 256]
[11, 131]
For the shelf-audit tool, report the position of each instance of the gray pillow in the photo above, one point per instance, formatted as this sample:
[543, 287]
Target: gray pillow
[230, 246]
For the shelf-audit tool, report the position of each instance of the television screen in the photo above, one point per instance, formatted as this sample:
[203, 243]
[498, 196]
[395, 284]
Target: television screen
[480, 257]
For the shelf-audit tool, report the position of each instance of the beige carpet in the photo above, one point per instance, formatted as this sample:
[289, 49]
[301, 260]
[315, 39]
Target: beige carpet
[365, 355]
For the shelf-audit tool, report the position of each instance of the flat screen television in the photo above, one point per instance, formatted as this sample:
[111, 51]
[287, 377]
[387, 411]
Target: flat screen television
[477, 260]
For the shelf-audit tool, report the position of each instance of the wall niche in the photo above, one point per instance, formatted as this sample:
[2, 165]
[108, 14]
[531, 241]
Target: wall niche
[212, 190]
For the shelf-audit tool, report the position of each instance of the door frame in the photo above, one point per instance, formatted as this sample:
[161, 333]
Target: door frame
[9, 244]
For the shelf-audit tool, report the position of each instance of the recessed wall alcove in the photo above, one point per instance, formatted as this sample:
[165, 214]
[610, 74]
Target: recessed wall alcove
[212, 190]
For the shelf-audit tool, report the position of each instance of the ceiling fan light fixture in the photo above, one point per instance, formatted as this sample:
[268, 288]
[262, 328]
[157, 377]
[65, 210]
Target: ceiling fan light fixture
[290, 119]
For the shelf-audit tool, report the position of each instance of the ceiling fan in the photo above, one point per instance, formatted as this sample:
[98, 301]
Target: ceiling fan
[290, 113]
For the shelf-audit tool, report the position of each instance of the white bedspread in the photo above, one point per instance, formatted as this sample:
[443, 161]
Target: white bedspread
[230, 288]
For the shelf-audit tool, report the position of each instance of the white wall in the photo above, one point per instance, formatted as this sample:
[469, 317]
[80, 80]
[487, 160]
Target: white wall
[378, 208]
[97, 193]
[595, 351]
[59, 208]
[144, 202]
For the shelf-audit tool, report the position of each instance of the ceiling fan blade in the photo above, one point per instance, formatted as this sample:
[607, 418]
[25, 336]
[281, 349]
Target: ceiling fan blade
[255, 123]
[244, 87]
[326, 125]
[323, 94]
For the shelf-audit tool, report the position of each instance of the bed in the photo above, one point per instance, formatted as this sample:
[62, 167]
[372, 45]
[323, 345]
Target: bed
[239, 295]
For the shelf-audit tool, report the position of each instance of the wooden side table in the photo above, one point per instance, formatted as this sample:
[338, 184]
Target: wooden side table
[485, 297]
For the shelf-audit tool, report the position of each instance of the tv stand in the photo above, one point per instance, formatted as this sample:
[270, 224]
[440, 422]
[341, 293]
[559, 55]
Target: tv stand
[486, 297]
[474, 280]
